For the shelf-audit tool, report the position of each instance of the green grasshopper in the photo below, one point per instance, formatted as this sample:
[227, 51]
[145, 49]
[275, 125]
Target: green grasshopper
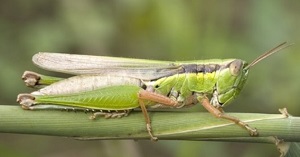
[111, 87]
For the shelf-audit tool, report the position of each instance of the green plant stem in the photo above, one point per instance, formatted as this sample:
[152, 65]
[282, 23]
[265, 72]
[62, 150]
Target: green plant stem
[165, 125]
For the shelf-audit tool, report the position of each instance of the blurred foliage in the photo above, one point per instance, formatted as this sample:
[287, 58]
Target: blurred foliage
[165, 30]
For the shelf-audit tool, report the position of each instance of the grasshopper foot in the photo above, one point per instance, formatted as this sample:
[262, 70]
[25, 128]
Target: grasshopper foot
[252, 131]
[149, 129]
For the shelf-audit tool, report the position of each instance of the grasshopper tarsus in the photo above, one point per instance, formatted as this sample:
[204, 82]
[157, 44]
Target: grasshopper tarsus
[252, 131]
[149, 129]
[284, 112]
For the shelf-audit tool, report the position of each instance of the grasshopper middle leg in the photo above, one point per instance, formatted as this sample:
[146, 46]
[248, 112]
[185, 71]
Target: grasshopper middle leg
[147, 95]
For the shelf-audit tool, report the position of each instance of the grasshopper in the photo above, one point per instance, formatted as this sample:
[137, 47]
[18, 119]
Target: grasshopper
[111, 86]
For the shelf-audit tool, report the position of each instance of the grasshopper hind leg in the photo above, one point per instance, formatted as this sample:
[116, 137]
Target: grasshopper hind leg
[35, 80]
[30, 78]
[109, 114]
[26, 100]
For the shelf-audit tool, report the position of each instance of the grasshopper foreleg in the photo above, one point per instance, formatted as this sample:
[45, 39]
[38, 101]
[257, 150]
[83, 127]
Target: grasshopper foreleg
[218, 112]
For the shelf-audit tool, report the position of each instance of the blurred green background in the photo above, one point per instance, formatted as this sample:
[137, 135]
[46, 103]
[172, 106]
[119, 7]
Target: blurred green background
[164, 30]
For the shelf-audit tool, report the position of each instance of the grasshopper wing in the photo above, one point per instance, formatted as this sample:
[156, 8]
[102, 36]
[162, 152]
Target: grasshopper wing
[102, 65]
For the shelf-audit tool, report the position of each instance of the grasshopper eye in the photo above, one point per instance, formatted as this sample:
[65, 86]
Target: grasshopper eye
[235, 67]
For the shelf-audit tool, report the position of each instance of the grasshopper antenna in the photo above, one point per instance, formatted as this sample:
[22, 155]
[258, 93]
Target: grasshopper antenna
[268, 53]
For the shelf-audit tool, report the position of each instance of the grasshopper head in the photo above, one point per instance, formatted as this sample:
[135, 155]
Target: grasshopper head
[231, 81]
[233, 76]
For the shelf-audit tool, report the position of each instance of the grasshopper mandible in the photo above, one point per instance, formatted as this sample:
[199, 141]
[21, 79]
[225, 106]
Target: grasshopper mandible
[111, 86]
